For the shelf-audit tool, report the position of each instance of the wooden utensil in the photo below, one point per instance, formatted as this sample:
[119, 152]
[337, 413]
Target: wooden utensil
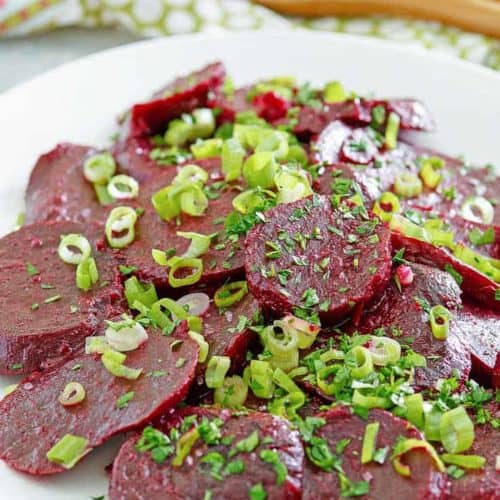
[482, 16]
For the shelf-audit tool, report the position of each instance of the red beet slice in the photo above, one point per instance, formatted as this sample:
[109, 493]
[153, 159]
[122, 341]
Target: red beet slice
[46, 315]
[163, 383]
[479, 328]
[331, 260]
[401, 315]
[412, 113]
[472, 282]
[181, 96]
[136, 475]
[482, 484]
[219, 263]
[384, 482]
[57, 189]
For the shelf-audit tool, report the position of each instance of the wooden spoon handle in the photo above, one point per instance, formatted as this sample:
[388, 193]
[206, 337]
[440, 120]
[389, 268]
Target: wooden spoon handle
[482, 16]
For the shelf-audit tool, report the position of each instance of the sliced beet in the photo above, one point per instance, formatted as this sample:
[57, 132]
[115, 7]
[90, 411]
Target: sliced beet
[384, 482]
[412, 113]
[402, 316]
[57, 189]
[479, 328]
[482, 484]
[181, 96]
[163, 383]
[46, 315]
[475, 284]
[219, 263]
[338, 260]
[136, 475]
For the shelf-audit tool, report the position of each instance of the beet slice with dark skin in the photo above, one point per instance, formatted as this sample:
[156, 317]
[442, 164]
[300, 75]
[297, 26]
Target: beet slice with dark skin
[475, 284]
[335, 262]
[412, 113]
[57, 189]
[219, 263]
[163, 383]
[479, 328]
[384, 482]
[48, 316]
[136, 475]
[402, 315]
[481, 484]
[183, 95]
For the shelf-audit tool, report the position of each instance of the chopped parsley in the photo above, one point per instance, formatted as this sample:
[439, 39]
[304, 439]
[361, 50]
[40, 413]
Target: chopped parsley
[124, 399]
[478, 237]
[158, 444]
[31, 269]
[126, 270]
[54, 298]
[454, 274]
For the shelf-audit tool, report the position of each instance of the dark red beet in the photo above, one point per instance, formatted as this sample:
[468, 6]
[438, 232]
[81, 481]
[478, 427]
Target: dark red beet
[482, 484]
[162, 385]
[135, 475]
[151, 232]
[33, 332]
[57, 189]
[412, 113]
[384, 482]
[401, 311]
[270, 106]
[230, 105]
[181, 96]
[474, 283]
[479, 328]
[312, 280]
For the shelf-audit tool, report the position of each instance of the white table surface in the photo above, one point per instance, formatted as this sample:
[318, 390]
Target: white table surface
[23, 58]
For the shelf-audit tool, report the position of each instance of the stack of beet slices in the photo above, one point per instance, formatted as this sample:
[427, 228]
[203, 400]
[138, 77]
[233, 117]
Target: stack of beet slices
[338, 334]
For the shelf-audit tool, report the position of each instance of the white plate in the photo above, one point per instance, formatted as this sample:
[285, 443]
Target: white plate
[78, 102]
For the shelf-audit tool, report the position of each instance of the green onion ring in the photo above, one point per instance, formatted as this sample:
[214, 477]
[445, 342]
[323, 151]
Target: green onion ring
[387, 205]
[99, 168]
[456, 430]
[280, 339]
[392, 130]
[202, 344]
[384, 350]
[259, 169]
[439, 318]
[369, 442]
[191, 174]
[232, 157]
[121, 220]
[87, 274]
[477, 209]
[184, 446]
[178, 263]
[232, 394]
[429, 171]
[363, 360]
[72, 394]
[359, 399]
[200, 243]
[230, 293]
[74, 240]
[113, 362]
[123, 187]
[260, 378]
[323, 376]
[407, 185]
[406, 445]
[217, 368]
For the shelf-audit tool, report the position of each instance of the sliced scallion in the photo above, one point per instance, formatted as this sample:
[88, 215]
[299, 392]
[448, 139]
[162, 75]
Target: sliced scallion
[113, 362]
[123, 187]
[233, 392]
[182, 264]
[392, 130]
[68, 451]
[79, 242]
[202, 344]
[387, 205]
[439, 318]
[217, 368]
[120, 227]
[87, 274]
[407, 185]
[232, 159]
[369, 442]
[99, 168]
[429, 171]
[200, 243]
[259, 169]
[477, 209]
[230, 293]
[456, 430]
[72, 394]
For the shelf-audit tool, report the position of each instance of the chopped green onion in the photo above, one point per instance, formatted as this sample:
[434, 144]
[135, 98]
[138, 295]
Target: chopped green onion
[384, 350]
[102, 195]
[325, 379]
[230, 293]
[292, 184]
[233, 392]
[184, 446]
[87, 274]
[285, 382]
[334, 92]
[415, 409]
[249, 200]
[456, 430]
[285, 363]
[407, 185]
[392, 130]
[261, 379]
[179, 131]
[306, 332]
[439, 318]
[273, 141]
[200, 243]
[126, 335]
[163, 320]
[77, 241]
[96, 345]
[191, 174]
[209, 148]
[217, 368]
[68, 451]
[297, 155]
[232, 159]
[406, 445]
[387, 205]
[280, 339]
[182, 263]
[259, 169]
[72, 394]
[160, 257]
[477, 209]
[202, 344]
[204, 123]
[485, 265]
[464, 461]
[166, 202]
[120, 227]
[429, 171]
[123, 187]
[144, 293]
[113, 362]
[99, 168]
[248, 135]
[369, 402]
[193, 201]
[404, 226]
[369, 442]
[363, 360]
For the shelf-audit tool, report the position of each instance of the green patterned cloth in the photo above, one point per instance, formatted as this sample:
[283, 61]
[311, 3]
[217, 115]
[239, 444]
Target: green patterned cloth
[153, 18]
